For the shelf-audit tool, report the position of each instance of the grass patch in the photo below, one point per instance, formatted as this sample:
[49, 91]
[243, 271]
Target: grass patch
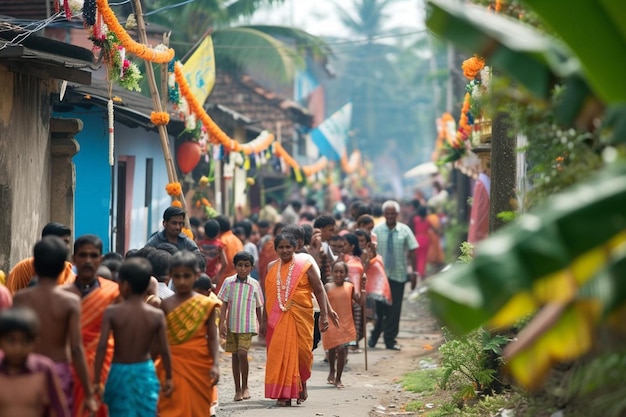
[422, 380]
[414, 406]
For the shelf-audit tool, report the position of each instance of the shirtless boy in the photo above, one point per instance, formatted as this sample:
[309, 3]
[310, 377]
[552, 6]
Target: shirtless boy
[132, 385]
[30, 387]
[59, 314]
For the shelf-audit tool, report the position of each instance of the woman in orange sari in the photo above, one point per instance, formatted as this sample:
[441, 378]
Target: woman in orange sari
[289, 284]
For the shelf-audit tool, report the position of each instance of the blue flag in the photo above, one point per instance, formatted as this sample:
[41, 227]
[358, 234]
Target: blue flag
[331, 135]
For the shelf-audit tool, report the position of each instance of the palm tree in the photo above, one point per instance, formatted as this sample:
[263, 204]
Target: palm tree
[388, 80]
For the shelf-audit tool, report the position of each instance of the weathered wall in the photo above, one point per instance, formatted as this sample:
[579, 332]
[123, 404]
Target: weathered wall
[24, 163]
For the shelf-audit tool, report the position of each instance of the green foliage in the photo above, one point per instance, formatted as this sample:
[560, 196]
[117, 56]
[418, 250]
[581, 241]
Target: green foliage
[602, 380]
[464, 362]
[467, 252]
[421, 380]
[557, 156]
[507, 216]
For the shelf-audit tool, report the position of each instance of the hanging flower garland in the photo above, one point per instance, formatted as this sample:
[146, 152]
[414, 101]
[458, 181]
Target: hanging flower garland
[187, 232]
[472, 67]
[466, 121]
[159, 118]
[177, 203]
[159, 55]
[174, 189]
[310, 170]
[120, 69]
[259, 144]
[352, 164]
[217, 135]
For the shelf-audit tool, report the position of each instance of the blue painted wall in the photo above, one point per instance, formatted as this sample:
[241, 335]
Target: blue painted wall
[93, 175]
[93, 178]
[144, 144]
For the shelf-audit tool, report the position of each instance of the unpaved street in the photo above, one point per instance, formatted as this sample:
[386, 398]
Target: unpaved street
[372, 392]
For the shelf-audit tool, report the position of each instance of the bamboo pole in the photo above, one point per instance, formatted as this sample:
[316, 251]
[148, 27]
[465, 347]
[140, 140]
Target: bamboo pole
[156, 101]
[164, 75]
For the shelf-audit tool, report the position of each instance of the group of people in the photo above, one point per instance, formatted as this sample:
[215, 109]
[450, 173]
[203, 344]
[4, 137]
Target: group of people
[140, 334]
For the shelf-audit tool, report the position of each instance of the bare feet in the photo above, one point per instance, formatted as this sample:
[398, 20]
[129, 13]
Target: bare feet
[246, 394]
[330, 380]
[339, 384]
[238, 396]
[303, 394]
[283, 402]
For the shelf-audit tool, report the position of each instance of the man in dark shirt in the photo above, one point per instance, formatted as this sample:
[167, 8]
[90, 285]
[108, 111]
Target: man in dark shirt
[173, 223]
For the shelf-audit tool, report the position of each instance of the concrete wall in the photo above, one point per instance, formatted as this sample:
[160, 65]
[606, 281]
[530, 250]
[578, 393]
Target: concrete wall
[24, 163]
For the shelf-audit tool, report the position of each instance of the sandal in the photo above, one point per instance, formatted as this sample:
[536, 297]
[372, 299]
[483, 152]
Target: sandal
[283, 403]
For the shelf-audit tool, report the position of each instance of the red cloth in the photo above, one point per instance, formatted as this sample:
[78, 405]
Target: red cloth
[479, 216]
[421, 227]
[211, 249]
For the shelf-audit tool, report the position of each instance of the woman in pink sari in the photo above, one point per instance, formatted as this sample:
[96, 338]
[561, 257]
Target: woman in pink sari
[422, 230]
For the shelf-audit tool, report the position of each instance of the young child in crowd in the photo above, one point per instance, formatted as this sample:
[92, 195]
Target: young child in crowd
[30, 387]
[242, 306]
[340, 295]
[58, 311]
[132, 387]
[204, 286]
[193, 339]
[213, 250]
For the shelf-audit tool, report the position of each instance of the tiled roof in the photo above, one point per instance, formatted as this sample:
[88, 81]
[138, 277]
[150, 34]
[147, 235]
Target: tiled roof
[248, 98]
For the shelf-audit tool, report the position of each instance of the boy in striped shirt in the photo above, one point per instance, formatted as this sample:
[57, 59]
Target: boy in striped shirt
[242, 306]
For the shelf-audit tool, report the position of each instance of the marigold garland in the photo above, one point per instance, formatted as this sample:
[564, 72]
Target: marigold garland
[174, 189]
[159, 118]
[217, 135]
[140, 50]
[309, 170]
[472, 66]
[187, 233]
[280, 152]
[465, 129]
[177, 203]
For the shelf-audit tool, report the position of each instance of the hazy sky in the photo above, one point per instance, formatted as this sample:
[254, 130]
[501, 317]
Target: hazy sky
[319, 17]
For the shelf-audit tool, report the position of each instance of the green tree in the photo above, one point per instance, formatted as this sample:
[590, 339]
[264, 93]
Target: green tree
[387, 76]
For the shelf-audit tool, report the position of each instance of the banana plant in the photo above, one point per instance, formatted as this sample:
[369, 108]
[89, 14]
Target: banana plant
[564, 263]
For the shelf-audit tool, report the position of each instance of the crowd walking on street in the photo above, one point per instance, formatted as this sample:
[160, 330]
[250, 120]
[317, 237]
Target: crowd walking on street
[141, 333]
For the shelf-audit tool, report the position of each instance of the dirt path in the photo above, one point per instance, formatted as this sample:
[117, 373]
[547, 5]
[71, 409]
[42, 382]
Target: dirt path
[375, 392]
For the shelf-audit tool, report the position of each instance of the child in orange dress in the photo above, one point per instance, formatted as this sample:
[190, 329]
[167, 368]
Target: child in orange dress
[335, 339]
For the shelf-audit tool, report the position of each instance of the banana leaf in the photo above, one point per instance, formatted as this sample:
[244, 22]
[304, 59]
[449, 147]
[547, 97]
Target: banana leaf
[595, 30]
[546, 256]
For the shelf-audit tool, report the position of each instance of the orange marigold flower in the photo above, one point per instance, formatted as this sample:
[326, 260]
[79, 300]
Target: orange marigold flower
[174, 189]
[205, 202]
[472, 66]
[156, 55]
[188, 232]
[198, 204]
[159, 118]
[177, 203]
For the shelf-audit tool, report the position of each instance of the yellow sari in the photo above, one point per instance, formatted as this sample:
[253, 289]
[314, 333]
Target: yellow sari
[289, 333]
[191, 361]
